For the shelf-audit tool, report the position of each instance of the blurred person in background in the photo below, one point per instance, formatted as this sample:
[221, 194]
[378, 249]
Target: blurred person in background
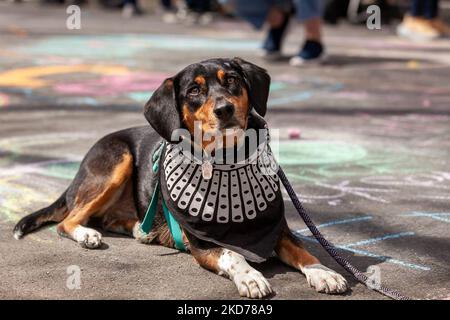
[277, 14]
[423, 22]
[188, 11]
[170, 10]
[131, 8]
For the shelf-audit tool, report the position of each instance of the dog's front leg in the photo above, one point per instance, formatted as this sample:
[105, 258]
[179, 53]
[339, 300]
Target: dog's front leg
[249, 282]
[290, 250]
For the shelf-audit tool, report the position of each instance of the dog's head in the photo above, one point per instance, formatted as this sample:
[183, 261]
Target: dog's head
[213, 95]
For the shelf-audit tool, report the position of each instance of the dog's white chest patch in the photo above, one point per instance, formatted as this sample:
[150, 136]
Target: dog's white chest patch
[234, 193]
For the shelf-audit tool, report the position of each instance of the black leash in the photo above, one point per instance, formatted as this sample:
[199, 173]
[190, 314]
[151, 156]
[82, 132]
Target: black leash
[331, 249]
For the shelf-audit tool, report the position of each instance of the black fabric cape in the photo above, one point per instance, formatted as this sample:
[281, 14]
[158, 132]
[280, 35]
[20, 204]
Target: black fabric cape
[240, 208]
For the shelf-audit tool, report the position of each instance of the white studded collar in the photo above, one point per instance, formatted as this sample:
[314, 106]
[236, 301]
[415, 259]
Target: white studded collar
[235, 193]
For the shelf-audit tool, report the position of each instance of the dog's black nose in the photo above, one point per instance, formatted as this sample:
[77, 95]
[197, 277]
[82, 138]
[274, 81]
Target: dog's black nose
[224, 111]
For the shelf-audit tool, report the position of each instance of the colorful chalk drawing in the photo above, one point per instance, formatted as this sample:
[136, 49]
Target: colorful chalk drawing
[105, 82]
[126, 49]
[351, 247]
[17, 198]
[125, 46]
[65, 170]
[27, 185]
[339, 170]
[439, 216]
[100, 83]
[104, 70]
[319, 152]
[310, 160]
[97, 70]
[33, 77]
[380, 191]
[434, 179]
[111, 85]
[431, 127]
[4, 100]
[140, 97]
[288, 89]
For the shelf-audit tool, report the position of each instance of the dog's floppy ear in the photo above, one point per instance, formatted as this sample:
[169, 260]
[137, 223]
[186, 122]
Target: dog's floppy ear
[258, 83]
[161, 110]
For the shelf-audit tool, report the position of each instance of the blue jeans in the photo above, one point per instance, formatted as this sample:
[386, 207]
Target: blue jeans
[255, 11]
[427, 9]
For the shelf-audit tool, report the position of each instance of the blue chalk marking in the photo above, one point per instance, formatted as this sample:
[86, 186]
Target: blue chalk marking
[387, 259]
[336, 222]
[302, 96]
[337, 87]
[277, 85]
[78, 101]
[288, 98]
[105, 46]
[373, 240]
[349, 247]
[140, 96]
[372, 255]
[433, 215]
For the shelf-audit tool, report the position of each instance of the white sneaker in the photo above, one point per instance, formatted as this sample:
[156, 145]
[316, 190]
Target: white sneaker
[170, 18]
[128, 11]
[405, 31]
[206, 18]
[297, 61]
[270, 55]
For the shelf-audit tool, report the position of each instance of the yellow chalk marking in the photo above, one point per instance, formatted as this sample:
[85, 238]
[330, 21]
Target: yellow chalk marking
[32, 77]
[3, 100]
[413, 64]
[10, 205]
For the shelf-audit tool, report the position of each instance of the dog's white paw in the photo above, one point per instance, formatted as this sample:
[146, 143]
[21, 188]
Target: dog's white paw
[252, 284]
[324, 279]
[87, 238]
[249, 282]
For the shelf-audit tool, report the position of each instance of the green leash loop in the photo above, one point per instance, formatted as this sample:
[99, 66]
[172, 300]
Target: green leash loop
[147, 223]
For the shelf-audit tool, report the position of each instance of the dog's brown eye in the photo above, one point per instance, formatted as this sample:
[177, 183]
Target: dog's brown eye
[194, 92]
[231, 80]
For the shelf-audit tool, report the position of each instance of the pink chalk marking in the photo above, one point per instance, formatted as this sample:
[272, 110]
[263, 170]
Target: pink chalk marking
[4, 100]
[352, 95]
[95, 44]
[294, 134]
[289, 78]
[112, 85]
[426, 103]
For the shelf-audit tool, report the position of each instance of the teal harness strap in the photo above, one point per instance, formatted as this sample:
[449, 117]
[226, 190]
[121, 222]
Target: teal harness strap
[147, 223]
[174, 228]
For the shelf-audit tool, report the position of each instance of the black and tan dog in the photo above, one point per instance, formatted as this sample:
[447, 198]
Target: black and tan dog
[115, 182]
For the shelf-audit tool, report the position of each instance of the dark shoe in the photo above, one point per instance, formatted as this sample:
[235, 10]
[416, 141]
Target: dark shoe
[311, 53]
[275, 36]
